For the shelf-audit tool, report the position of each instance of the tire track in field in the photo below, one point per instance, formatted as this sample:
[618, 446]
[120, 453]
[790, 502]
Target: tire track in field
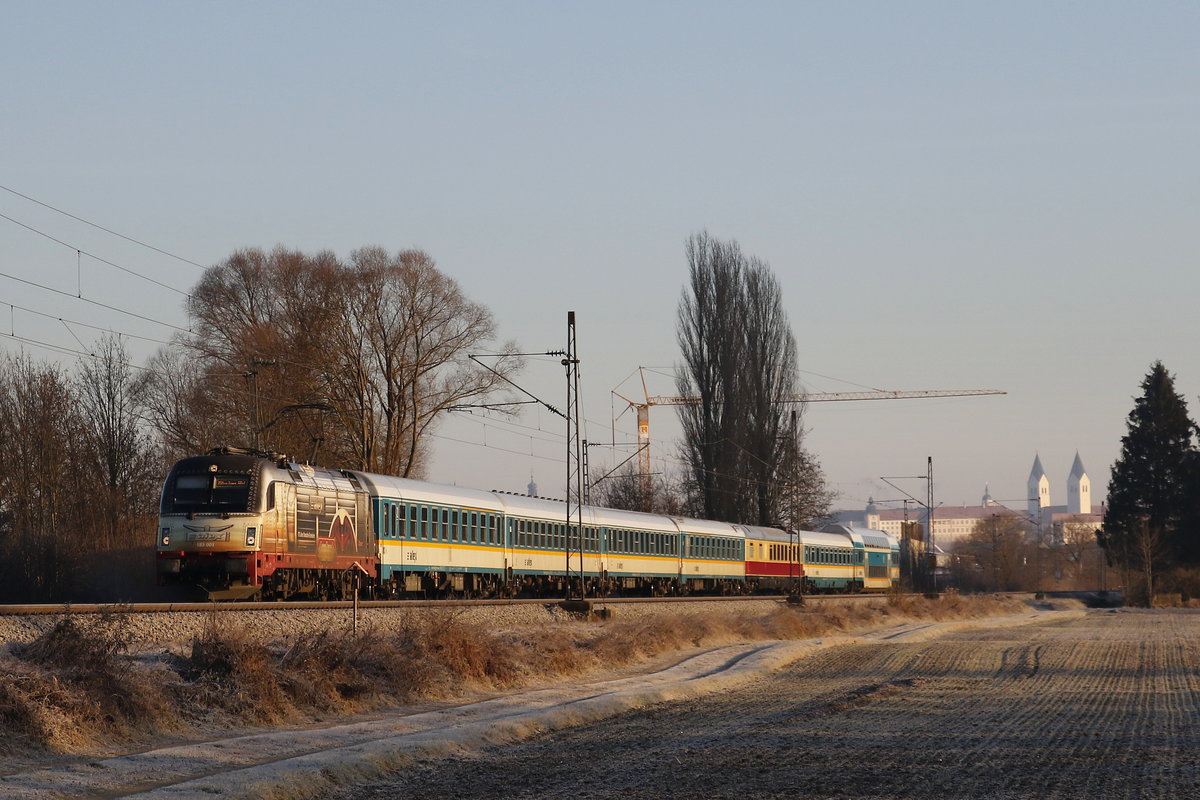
[1104, 706]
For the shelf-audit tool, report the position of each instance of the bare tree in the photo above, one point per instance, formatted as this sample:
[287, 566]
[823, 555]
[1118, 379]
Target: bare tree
[40, 504]
[802, 499]
[123, 472]
[404, 340]
[352, 362]
[626, 488]
[1078, 546]
[1148, 545]
[743, 442]
[999, 545]
[184, 406]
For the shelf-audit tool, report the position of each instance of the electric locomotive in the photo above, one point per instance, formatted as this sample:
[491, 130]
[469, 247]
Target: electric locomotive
[234, 523]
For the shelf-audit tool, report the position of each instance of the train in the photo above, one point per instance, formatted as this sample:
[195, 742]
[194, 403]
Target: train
[237, 523]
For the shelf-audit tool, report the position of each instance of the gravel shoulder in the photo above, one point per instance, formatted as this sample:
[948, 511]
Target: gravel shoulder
[304, 762]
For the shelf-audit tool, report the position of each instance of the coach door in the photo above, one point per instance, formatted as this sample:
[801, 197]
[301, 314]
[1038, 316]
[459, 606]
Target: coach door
[507, 537]
[682, 546]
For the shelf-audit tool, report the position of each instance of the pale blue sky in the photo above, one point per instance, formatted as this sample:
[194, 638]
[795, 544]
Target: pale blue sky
[952, 195]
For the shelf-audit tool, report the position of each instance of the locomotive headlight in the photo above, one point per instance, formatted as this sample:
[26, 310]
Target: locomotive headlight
[166, 537]
[250, 536]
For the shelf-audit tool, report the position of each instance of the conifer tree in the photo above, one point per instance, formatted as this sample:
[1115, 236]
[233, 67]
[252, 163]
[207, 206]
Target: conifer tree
[1146, 520]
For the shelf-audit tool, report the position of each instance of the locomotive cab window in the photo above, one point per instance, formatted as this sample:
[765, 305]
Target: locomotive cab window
[214, 493]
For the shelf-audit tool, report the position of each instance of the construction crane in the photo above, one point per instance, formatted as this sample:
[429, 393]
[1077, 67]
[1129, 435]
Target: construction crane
[643, 408]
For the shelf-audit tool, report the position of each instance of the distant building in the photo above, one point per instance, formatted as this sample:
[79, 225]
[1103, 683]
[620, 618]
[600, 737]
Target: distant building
[953, 524]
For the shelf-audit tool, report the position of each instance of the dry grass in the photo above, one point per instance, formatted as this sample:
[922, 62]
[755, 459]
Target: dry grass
[77, 687]
[74, 686]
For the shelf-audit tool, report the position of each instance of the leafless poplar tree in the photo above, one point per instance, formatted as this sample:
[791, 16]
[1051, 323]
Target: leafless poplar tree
[743, 438]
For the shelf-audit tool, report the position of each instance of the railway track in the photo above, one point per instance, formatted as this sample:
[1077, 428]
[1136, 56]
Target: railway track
[152, 608]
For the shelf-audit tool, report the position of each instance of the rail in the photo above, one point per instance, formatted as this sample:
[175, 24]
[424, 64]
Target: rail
[156, 608]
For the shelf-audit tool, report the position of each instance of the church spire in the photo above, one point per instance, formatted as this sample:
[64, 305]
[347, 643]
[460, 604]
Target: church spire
[1079, 489]
[1038, 487]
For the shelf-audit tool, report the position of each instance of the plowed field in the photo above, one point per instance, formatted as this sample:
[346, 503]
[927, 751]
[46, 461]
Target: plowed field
[1099, 706]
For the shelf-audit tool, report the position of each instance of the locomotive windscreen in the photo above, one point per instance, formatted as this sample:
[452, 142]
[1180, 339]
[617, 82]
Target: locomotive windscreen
[210, 493]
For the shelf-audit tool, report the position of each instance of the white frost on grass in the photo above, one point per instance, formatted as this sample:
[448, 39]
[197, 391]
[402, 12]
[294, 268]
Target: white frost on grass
[298, 764]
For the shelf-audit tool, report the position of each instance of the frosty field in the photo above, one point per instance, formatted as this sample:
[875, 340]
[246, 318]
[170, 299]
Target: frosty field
[1100, 705]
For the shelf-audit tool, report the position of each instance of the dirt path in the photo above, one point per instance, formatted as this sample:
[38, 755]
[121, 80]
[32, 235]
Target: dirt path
[734, 724]
[1099, 706]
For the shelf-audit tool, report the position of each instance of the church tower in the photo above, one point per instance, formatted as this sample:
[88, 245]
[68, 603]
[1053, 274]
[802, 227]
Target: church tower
[1079, 489]
[1038, 487]
[987, 498]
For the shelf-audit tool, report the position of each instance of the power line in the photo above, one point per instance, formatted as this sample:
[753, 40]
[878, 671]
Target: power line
[102, 228]
[83, 324]
[96, 257]
[93, 302]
